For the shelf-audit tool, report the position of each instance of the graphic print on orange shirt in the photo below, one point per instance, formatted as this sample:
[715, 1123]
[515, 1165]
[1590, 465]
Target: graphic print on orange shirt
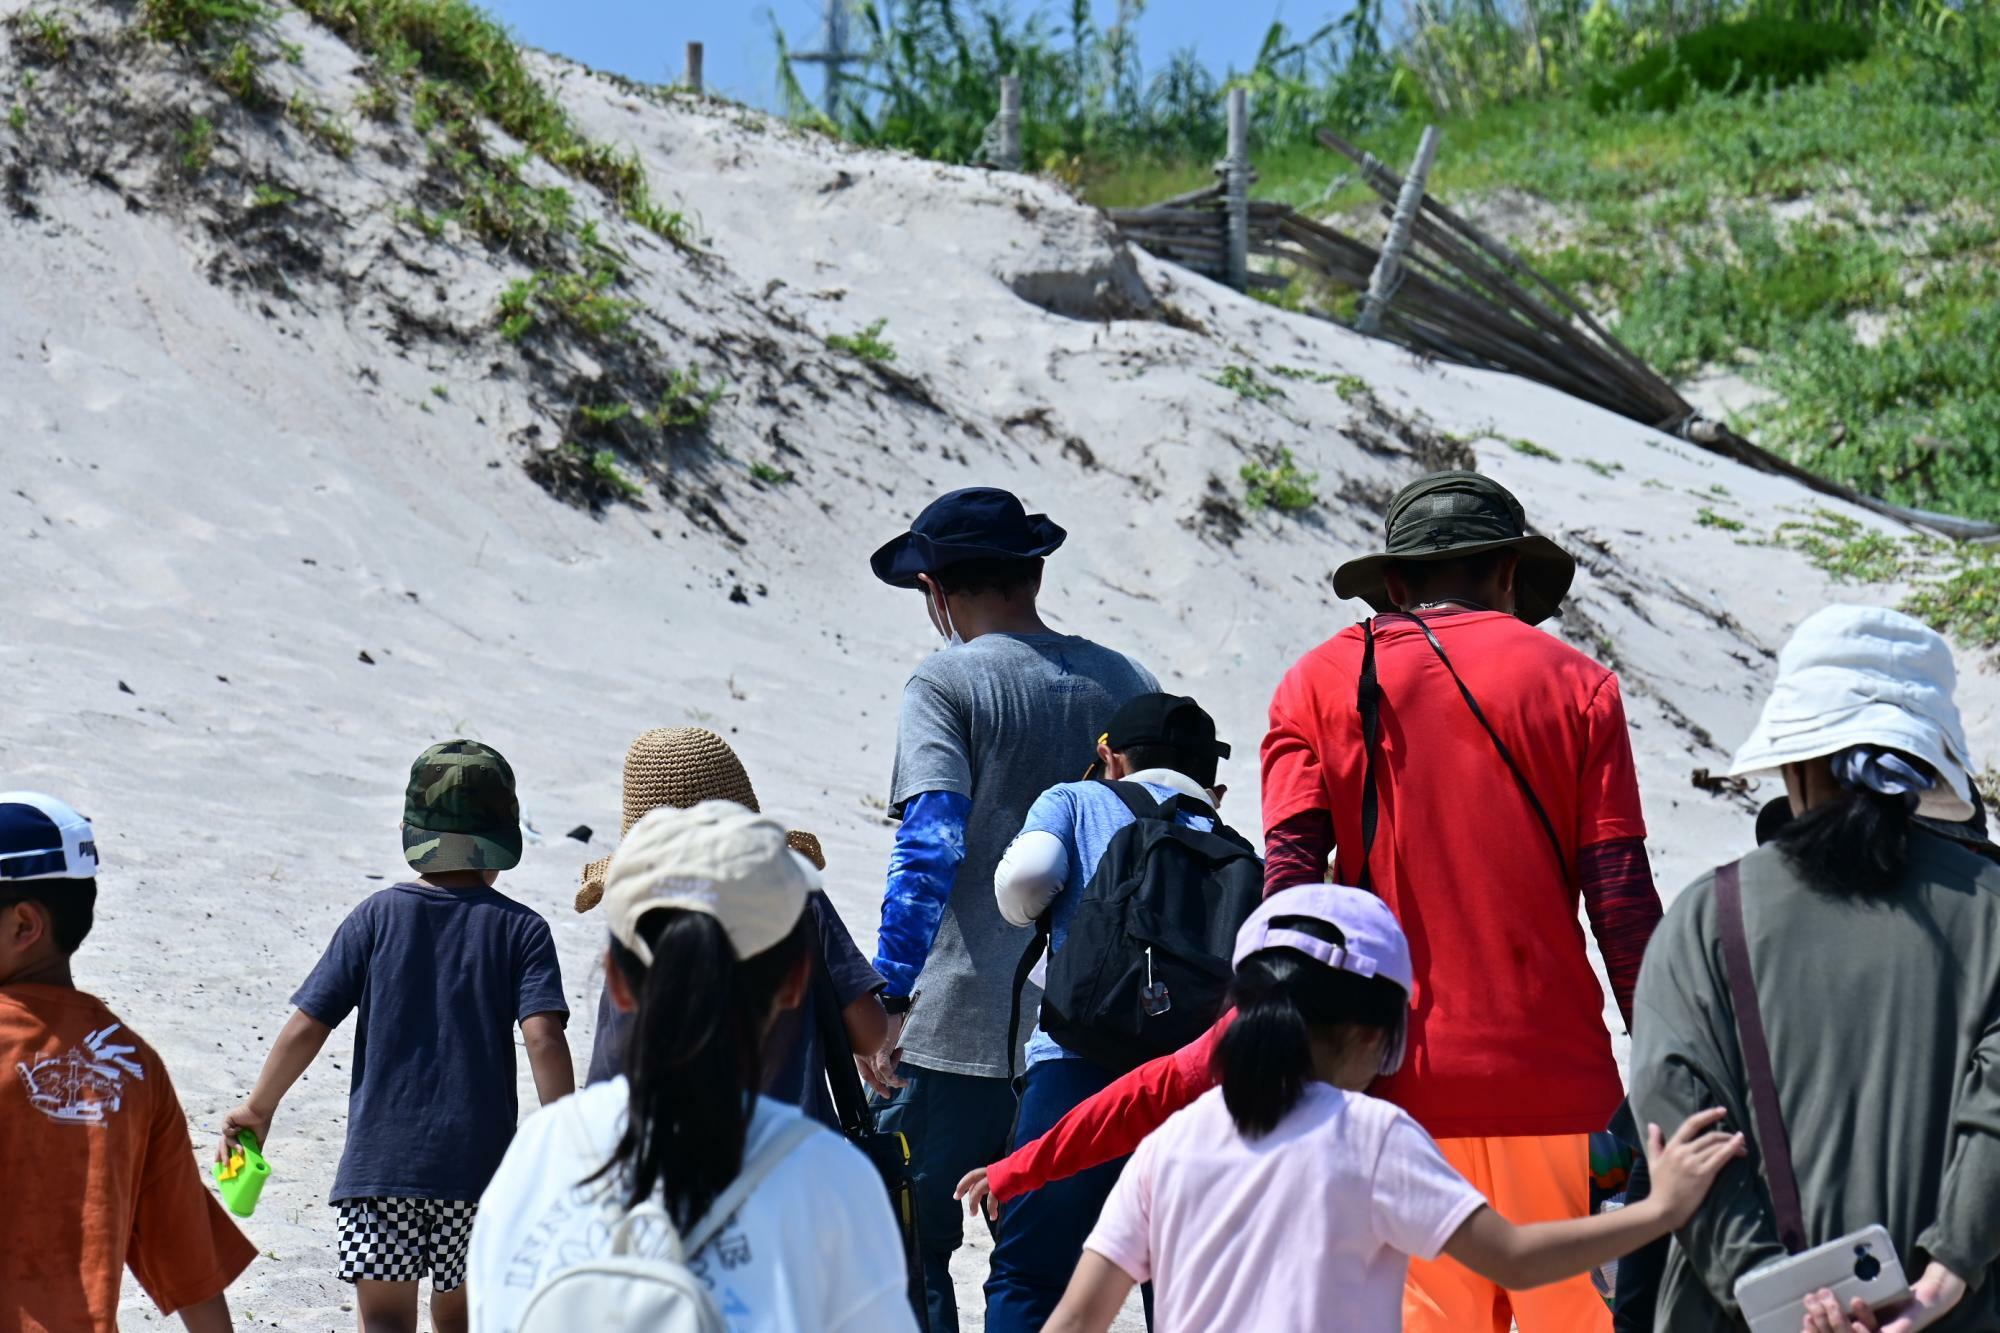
[84, 1084]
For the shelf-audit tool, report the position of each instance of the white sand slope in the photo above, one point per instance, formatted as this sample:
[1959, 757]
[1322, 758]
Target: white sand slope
[243, 447]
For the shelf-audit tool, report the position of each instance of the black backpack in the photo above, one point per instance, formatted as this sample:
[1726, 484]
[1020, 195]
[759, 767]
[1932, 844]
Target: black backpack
[1157, 922]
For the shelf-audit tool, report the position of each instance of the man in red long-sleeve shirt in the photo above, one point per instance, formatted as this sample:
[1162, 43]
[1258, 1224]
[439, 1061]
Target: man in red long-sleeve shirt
[1504, 792]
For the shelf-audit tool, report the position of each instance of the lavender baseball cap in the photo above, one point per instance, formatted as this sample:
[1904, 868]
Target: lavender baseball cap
[1374, 946]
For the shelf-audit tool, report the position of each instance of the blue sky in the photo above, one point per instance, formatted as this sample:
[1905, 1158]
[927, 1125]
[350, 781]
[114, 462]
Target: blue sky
[645, 39]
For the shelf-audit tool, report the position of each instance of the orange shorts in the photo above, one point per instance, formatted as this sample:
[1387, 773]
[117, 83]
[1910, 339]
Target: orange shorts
[1543, 1179]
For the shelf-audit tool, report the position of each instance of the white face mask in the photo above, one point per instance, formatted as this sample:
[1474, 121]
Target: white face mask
[940, 608]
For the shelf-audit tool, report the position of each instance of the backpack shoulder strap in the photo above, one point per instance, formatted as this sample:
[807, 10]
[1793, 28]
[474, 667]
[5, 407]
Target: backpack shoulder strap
[1506, 755]
[1029, 957]
[1137, 799]
[1775, 1148]
[789, 1136]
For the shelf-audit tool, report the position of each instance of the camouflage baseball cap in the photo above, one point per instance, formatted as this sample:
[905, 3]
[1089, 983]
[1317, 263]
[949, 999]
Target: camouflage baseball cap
[460, 812]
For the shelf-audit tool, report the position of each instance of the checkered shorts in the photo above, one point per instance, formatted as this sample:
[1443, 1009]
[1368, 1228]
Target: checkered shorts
[405, 1240]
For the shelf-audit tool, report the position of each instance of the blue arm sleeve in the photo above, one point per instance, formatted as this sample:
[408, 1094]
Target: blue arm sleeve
[930, 844]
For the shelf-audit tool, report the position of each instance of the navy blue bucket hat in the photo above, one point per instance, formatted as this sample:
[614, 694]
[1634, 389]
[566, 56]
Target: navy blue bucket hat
[977, 523]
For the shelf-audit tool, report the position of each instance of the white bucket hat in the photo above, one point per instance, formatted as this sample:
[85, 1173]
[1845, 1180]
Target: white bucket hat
[1865, 675]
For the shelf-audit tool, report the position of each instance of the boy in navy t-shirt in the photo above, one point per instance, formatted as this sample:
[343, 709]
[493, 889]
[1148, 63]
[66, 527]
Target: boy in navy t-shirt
[441, 969]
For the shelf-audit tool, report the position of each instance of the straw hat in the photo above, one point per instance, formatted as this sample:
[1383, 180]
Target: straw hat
[682, 767]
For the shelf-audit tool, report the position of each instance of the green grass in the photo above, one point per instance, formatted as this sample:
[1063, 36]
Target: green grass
[197, 143]
[270, 196]
[1752, 232]
[604, 464]
[868, 344]
[771, 476]
[377, 101]
[432, 225]
[237, 75]
[44, 35]
[1708, 518]
[1533, 450]
[314, 121]
[1243, 381]
[1843, 548]
[581, 303]
[191, 22]
[17, 117]
[1349, 387]
[451, 42]
[1954, 587]
[686, 403]
[498, 206]
[1302, 376]
[1279, 484]
[1761, 51]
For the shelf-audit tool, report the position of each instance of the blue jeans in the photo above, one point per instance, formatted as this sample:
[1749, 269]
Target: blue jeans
[954, 1122]
[1042, 1232]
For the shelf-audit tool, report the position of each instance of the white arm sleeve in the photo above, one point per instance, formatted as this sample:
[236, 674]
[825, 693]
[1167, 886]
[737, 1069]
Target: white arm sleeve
[1030, 871]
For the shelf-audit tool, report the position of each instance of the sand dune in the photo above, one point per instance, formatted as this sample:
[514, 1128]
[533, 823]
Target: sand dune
[268, 531]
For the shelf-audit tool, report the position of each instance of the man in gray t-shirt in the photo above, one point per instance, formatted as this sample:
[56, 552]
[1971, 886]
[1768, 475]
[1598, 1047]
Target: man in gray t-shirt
[1005, 712]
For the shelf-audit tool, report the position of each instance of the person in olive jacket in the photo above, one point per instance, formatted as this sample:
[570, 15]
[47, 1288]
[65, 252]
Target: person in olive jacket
[1875, 949]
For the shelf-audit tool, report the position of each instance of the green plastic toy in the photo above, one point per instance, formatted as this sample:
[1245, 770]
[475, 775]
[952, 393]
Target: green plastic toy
[241, 1178]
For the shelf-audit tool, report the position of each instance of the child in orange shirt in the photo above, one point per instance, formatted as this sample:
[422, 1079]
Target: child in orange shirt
[90, 1129]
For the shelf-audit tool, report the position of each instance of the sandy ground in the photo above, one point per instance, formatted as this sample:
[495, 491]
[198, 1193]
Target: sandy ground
[222, 491]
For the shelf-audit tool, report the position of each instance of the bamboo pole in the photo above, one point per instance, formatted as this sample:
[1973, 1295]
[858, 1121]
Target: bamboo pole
[1383, 284]
[1237, 191]
[1010, 123]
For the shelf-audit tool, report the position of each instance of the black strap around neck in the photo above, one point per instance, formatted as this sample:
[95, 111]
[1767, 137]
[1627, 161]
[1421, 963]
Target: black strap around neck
[1368, 698]
[1369, 701]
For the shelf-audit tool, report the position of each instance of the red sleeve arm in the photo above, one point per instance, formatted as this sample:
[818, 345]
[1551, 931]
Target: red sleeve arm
[1611, 867]
[1111, 1124]
[1624, 909]
[1296, 850]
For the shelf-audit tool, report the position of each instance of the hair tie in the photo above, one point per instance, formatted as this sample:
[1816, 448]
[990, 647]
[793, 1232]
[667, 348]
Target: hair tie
[1884, 772]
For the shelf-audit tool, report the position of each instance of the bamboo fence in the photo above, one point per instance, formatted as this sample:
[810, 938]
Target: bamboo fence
[1462, 296]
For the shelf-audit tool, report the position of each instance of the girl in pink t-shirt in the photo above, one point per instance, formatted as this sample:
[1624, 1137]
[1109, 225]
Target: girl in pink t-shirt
[1288, 1199]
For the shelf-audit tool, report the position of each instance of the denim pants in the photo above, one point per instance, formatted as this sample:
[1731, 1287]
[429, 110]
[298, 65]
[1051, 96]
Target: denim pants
[1042, 1232]
[954, 1122]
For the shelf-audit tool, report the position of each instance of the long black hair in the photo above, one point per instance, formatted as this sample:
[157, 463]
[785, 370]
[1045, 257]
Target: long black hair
[1281, 996]
[694, 1057]
[1856, 846]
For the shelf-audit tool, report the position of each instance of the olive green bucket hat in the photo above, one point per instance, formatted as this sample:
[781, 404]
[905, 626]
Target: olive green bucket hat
[460, 812]
[1448, 515]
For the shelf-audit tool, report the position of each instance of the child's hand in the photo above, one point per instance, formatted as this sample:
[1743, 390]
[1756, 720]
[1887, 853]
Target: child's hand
[976, 1192]
[243, 1117]
[1685, 1166]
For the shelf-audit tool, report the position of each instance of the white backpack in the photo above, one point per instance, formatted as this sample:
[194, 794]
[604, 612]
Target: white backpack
[652, 1293]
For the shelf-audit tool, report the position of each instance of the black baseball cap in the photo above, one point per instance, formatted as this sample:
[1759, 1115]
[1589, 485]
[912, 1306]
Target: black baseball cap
[1172, 720]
